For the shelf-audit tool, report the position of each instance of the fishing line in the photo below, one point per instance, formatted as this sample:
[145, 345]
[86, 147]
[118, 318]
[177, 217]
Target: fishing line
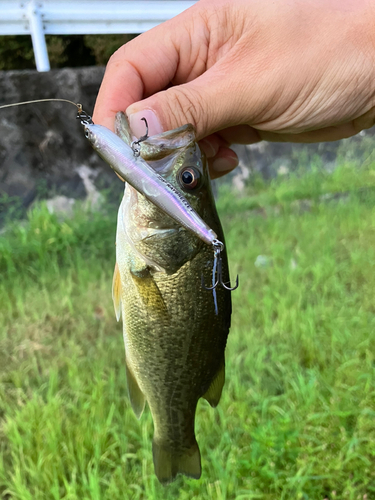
[77, 105]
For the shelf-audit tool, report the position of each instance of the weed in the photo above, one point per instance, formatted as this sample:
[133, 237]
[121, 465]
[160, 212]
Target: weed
[296, 419]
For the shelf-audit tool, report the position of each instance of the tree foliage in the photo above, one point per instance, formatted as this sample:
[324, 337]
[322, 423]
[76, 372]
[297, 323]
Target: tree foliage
[16, 51]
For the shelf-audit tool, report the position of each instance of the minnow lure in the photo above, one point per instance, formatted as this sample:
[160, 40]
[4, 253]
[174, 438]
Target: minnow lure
[125, 160]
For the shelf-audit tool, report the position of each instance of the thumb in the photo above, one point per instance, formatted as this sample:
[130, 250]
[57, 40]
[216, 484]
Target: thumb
[204, 102]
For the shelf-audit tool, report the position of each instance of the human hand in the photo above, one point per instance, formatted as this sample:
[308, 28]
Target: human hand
[242, 71]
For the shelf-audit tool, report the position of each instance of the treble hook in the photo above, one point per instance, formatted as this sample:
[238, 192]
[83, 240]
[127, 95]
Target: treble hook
[135, 145]
[217, 269]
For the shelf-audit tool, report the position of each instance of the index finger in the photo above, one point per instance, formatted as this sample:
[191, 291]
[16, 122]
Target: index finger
[142, 67]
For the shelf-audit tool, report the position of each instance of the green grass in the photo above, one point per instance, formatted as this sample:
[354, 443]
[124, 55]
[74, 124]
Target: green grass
[297, 416]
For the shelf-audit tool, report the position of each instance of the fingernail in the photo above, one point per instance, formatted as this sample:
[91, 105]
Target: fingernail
[224, 164]
[138, 126]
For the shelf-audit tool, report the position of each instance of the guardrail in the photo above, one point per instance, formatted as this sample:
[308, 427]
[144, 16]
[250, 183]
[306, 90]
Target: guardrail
[82, 17]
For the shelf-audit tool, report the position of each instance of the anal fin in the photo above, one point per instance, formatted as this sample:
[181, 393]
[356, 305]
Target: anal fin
[136, 396]
[168, 463]
[213, 394]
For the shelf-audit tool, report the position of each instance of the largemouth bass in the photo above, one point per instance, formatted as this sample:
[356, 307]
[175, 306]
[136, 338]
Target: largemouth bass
[174, 340]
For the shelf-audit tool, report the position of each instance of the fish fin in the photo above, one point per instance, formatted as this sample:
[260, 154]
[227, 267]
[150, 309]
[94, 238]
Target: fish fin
[213, 394]
[119, 176]
[150, 293]
[136, 396]
[116, 292]
[167, 143]
[122, 128]
[168, 463]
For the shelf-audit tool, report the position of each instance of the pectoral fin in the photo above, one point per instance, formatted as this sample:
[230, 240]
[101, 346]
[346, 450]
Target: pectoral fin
[116, 292]
[137, 399]
[213, 394]
[150, 293]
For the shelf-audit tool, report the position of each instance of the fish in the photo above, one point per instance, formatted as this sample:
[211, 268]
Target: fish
[174, 333]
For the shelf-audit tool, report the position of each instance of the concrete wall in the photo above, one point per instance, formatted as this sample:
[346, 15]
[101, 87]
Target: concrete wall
[42, 146]
[43, 152]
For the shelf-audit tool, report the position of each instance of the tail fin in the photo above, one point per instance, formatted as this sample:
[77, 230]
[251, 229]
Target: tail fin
[169, 463]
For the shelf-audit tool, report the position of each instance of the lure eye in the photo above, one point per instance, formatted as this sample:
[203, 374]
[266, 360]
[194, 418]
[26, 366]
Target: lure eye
[87, 134]
[189, 178]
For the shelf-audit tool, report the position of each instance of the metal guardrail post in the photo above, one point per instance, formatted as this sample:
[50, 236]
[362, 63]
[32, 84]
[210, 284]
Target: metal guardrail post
[82, 17]
[37, 35]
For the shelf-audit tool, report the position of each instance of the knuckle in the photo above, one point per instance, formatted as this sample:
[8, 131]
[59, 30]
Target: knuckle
[120, 56]
[115, 60]
[187, 106]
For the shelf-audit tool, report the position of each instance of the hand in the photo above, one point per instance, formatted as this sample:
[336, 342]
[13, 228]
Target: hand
[242, 71]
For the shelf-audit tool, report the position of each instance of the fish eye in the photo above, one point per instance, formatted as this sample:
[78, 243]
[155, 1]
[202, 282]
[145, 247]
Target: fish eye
[189, 178]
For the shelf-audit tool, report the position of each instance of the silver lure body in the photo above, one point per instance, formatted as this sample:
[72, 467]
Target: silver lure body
[134, 170]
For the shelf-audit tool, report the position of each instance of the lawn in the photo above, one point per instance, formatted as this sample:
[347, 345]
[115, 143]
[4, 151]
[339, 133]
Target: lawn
[297, 415]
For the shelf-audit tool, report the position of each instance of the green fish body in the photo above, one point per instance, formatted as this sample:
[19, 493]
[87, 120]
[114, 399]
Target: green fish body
[174, 340]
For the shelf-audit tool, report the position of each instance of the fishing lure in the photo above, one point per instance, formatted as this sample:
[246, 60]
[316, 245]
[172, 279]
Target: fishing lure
[128, 164]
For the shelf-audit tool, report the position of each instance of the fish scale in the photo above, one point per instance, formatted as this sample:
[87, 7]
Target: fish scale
[174, 340]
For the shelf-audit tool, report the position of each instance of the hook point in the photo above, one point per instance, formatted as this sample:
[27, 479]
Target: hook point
[217, 269]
